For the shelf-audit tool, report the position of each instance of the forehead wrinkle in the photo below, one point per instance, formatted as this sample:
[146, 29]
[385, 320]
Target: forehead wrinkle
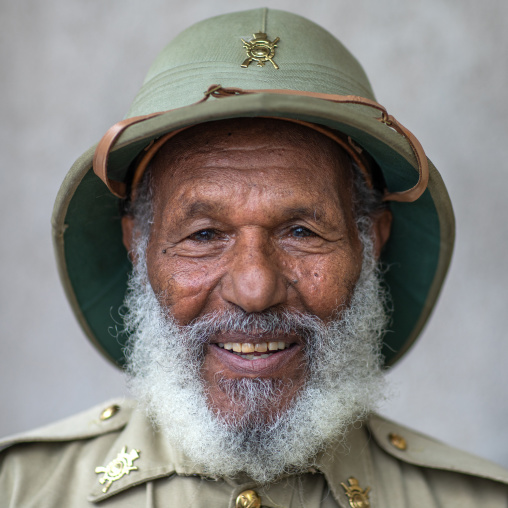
[213, 147]
[216, 153]
[206, 196]
[224, 182]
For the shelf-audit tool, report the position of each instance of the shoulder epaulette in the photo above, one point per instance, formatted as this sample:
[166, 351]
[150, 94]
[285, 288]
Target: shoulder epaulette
[108, 417]
[418, 449]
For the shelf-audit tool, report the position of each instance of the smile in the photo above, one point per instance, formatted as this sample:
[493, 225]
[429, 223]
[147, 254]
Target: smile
[251, 351]
[265, 359]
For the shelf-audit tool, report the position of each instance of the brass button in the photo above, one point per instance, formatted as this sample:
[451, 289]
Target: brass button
[109, 412]
[248, 499]
[398, 441]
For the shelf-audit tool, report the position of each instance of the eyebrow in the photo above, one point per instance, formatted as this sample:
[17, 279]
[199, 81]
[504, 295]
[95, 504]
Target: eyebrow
[315, 213]
[199, 209]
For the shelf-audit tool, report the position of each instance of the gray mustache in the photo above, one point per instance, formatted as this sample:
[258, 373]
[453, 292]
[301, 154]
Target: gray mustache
[256, 324]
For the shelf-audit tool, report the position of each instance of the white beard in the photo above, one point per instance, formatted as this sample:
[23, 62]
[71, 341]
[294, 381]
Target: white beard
[344, 380]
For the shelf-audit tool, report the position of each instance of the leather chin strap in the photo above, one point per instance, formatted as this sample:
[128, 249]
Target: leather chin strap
[119, 189]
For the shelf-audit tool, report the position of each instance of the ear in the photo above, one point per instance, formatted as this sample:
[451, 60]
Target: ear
[381, 228]
[127, 232]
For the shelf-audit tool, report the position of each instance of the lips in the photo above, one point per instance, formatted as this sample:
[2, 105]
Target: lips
[242, 357]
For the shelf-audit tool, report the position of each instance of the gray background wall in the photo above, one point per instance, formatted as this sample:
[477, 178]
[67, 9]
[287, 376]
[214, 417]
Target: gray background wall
[69, 69]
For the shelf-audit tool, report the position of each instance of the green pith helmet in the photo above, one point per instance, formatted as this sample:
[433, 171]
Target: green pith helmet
[258, 63]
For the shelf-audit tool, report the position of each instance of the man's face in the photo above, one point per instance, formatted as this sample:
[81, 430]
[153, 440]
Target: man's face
[252, 215]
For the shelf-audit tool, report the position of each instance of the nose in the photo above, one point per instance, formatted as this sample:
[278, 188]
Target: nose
[254, 281]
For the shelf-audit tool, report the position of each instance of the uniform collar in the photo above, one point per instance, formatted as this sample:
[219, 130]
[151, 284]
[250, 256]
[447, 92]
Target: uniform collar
[350, 458]
[158, 459]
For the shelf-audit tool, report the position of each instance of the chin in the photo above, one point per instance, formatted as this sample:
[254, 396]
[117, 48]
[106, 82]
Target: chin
[251, 402]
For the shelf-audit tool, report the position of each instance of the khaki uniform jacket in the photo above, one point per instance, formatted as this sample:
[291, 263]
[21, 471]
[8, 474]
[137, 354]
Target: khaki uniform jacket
[394, 467]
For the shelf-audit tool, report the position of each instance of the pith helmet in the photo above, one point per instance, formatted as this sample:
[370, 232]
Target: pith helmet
[258, 63]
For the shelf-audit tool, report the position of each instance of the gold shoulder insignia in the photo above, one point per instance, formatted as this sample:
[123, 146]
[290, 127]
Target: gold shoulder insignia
[117, 468]
[358, 498]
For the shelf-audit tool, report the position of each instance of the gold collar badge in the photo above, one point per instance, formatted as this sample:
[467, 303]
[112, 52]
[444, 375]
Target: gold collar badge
[358, 498]
[260, 49]
[117, 468]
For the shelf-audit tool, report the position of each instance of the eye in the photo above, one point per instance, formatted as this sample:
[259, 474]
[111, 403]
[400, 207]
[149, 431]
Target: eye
[301, 232]
[205, 235]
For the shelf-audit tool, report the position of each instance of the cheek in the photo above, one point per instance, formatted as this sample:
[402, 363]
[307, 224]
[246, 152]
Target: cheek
[326, 283]
[182, 286]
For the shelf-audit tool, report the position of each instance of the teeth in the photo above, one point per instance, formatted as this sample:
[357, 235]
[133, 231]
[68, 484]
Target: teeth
[261, 347]
[248, 347]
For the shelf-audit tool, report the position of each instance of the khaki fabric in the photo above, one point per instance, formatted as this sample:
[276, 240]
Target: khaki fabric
[55, 467]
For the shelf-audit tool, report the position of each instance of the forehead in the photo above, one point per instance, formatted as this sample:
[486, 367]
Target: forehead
[258, 149]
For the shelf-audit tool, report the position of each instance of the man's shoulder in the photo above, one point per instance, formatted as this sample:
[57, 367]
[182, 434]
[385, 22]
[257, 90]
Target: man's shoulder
[108, 417]
[419, 450]
[62, 459]
[48, 466]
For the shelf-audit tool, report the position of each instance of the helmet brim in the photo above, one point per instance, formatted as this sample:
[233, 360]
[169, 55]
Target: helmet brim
[94, 264]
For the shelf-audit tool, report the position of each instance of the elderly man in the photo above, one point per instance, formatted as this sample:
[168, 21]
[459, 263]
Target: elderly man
[240, 286]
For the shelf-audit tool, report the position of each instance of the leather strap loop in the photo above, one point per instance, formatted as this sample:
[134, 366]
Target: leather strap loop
[346, 143]
[151, 150]
[101, 154]
[107, 142]
[351, 149]
[412, 194]
[408, 195]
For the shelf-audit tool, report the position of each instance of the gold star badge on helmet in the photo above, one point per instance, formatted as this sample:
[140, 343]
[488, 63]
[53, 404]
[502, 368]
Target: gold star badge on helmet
[260, 50]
